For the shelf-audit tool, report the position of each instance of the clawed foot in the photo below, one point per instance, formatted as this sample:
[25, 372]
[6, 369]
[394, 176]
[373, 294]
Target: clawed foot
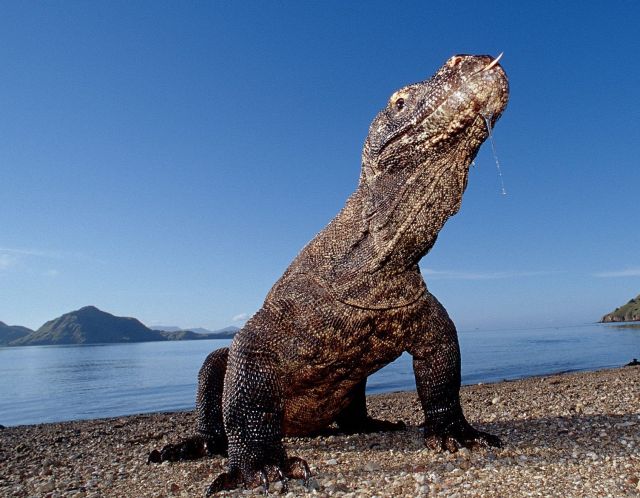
[190, 449]
[293, 468]
[459, 434]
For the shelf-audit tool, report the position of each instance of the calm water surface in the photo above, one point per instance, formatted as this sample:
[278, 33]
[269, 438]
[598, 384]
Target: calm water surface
[53, 383]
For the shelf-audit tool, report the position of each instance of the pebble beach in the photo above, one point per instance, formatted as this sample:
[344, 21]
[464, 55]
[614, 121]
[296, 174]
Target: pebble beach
[571, 435]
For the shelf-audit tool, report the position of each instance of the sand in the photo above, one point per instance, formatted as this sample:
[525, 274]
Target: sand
[565, 435]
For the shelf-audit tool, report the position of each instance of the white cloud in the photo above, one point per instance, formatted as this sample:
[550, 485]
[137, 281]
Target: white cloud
[468, 275]
[629, 272]
[29, 252]
[37, 253]
[240, 317]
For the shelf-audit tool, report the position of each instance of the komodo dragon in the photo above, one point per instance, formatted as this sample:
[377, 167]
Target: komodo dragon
[354, 299]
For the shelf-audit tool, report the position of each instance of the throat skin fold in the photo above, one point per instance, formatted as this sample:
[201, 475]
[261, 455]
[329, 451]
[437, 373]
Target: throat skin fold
[368, 255]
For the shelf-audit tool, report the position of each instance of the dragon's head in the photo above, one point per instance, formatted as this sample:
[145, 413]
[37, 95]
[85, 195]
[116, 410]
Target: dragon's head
[417, 155]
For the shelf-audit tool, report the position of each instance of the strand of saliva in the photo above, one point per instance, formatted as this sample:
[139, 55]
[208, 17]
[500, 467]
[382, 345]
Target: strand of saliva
[487, 120]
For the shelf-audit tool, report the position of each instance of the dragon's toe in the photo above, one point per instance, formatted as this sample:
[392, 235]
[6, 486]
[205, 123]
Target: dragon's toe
[190, 449]
[293, 468]
[225, 481]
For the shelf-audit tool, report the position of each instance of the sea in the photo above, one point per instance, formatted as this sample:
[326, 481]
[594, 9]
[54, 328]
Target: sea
[41, 384]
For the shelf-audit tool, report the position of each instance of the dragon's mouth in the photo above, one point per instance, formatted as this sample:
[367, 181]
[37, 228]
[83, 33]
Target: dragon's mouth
[499, 89]
[479, 94]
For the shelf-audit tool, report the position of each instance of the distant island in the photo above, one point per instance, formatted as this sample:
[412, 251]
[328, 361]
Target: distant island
[629, 312]
[89, 325]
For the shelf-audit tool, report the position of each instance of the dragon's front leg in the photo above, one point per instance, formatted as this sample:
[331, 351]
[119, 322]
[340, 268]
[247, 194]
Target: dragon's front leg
[436, 364]
[253, 414]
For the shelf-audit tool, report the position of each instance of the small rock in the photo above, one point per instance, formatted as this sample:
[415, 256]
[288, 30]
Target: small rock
[372, 466]
[313, 484]
[336, 487]
[433, 477]
[495, 400]
[623, 424]
[174, 488]
[333, 461]
[47, 487]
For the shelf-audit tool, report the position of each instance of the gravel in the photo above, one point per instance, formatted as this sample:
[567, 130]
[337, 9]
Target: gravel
[566, 435]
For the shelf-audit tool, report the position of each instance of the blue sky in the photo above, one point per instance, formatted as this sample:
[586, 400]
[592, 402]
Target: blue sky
[167, 160]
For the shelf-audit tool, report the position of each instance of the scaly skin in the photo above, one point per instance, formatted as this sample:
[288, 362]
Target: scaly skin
[354, 299]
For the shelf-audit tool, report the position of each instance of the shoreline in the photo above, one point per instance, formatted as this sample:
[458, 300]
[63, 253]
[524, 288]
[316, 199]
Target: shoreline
[570, 434]
[188, 409]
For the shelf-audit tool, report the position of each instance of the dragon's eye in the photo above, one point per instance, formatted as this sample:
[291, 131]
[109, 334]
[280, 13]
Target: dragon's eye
[399, 104]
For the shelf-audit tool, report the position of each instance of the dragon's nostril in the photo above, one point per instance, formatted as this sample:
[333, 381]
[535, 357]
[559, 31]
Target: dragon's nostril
[454, 61]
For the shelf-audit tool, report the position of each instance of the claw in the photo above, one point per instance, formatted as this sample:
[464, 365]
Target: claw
[450, 445]
[264, 481]
[283, 479]
[297, 468]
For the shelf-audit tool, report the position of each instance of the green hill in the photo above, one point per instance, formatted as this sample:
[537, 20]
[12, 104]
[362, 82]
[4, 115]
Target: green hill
[9, 333]
[629, 312]
[89, 325]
